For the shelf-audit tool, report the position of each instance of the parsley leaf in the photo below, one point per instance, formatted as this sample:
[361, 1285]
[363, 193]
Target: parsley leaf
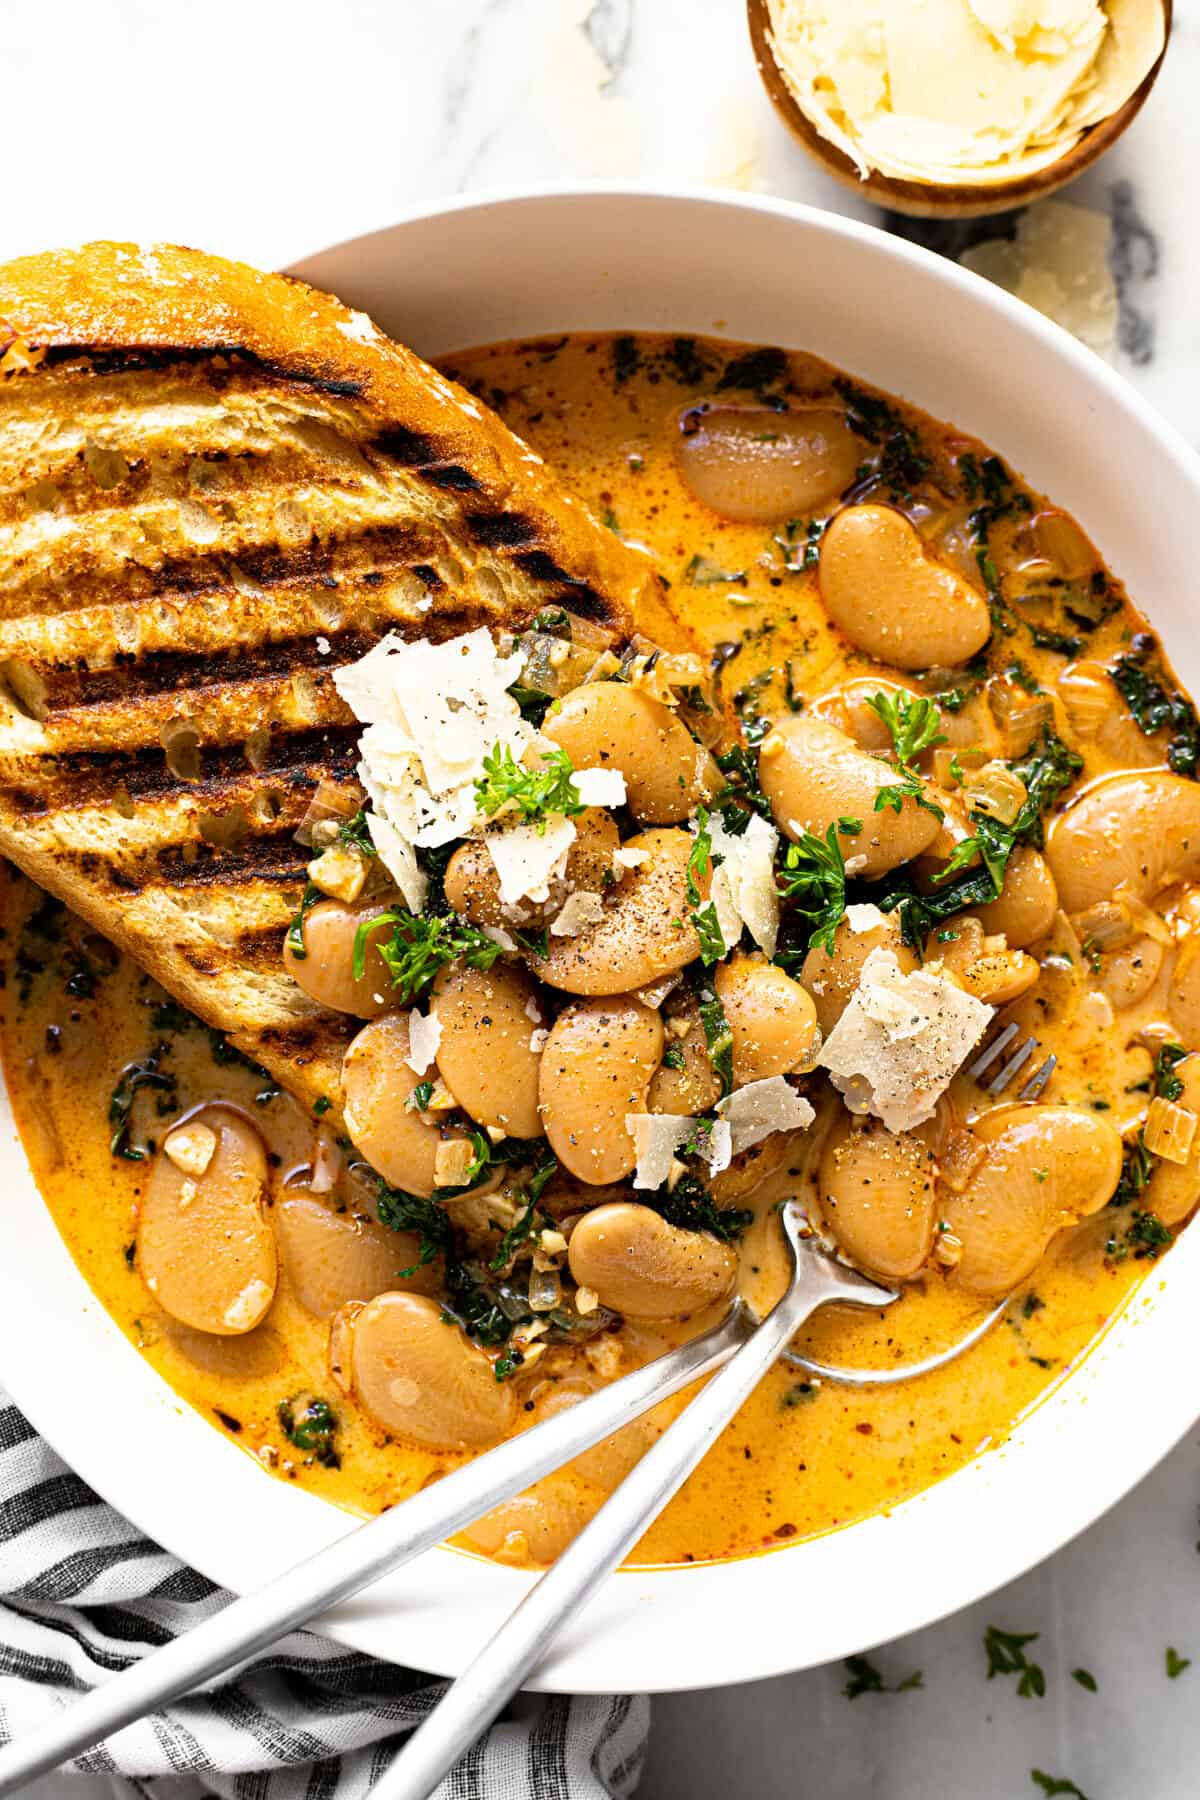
[813, 877]
[914, 725]
[865, 1678]
[1054, 1784]
[1006, 1656]
[535, 793]
[1176, 1664]
[1167, 1085]
[419, 947]
[701, 856]
[1086, 1679]
[718, 1036]
[708, 930]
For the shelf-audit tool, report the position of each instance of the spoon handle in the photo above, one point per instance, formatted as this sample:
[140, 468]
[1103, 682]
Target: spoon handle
[250, 1625]
[474, 1700]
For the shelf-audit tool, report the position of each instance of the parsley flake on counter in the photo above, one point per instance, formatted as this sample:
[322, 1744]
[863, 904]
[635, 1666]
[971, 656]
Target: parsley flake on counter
[1006, 1656]
[1054, 1784]
[1176, 1664]
[1086, 1679]
[865, 1678]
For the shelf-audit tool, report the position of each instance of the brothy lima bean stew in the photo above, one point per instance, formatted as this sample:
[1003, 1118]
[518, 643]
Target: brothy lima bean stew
[643, 942]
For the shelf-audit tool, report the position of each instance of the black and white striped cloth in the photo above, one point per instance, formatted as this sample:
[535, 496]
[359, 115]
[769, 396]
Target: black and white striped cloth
[82, 1594]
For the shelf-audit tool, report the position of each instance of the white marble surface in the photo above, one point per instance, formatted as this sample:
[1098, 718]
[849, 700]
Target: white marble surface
[269, 128]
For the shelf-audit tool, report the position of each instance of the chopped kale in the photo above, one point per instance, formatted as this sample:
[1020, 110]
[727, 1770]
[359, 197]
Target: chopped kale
[688, 362]
[627, 359]
[1145, 1239]
[691, 1207]
[295, 931]
[1155, 707]
[138, 1077]
[311, 1425]
[755, 371]
[1167, 1085]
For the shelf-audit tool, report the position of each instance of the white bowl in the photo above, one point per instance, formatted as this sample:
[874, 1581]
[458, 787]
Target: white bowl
[767, 272]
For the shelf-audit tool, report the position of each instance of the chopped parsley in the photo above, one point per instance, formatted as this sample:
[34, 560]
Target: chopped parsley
[718, 1036]
[914, 725]
[1176, 1664]
[1086, 1679]
[1006, 1656]
[525, 1223]
[865, 1678]
[673, 1057]
[419, 946]
[708, 930]
[418, 1100]
[535, 793]
[355, 835]
[742, 794]
[1056, 1784]
[1167, 1085]
[812, 877]
[295, 931]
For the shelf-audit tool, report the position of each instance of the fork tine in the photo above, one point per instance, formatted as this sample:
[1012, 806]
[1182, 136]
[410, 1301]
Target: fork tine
[1012, 1068]
[997, 1047]
[1038, 1079]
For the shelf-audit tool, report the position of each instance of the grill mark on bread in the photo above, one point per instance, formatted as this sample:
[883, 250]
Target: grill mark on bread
[276, 858]
[86, 777]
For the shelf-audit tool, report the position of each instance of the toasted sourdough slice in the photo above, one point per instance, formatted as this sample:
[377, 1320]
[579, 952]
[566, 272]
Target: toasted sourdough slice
[216, 485]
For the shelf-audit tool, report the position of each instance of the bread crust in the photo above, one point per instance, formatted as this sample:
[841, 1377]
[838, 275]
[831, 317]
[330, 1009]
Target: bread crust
[215, 485]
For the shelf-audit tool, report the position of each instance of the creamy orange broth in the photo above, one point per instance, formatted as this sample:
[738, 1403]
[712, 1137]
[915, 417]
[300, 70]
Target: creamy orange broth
[803, 1456]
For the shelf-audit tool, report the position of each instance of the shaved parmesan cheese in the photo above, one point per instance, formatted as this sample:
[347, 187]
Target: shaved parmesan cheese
[424, 1037]
[962, 91]
[657, 1137]
[527, 859]
[624, 860]
[537, 1040]
[743, 883]
[759, 1109]
[599, 787]
[577, 911]
[901, 1040]
[865, 918]
[1059, 263]
[399, 859]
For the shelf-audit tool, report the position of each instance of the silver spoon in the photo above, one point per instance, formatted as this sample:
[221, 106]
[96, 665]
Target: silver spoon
[367, 1552]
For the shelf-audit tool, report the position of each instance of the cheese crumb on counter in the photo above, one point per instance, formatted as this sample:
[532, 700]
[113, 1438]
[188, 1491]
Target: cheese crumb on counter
[901, 1041]
[1059, 263]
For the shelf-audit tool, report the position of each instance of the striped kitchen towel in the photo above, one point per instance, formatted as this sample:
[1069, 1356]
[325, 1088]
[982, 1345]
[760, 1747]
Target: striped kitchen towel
[82, 1595]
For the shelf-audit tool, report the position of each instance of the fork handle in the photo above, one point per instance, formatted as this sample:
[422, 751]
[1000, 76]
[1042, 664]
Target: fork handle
[473, 1701]
[252, 1624]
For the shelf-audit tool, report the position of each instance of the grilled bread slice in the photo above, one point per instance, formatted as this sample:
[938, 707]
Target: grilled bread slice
[216, 485]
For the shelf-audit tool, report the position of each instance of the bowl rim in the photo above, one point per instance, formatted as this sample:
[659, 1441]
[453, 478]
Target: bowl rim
[190, 1488]
[944, 199]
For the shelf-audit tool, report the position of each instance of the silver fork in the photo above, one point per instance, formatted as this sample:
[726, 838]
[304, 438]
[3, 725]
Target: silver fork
[1011, 1066]
[367, 1552]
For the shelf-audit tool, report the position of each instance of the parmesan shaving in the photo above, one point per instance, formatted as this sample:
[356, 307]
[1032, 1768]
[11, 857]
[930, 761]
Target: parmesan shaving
[599, 787]
[657, 1137]
[528, 857]
[1059, 263]
[424, 1039]
[901, 1040]
[760, 1109]
[962, 91]
[577, 911]
[864, 918]
[744, 892]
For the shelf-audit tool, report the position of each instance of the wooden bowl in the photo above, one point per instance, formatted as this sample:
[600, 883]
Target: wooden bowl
[938, 199]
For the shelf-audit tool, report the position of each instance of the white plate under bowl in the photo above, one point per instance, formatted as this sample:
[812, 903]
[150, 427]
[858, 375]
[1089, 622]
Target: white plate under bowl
[772, 273]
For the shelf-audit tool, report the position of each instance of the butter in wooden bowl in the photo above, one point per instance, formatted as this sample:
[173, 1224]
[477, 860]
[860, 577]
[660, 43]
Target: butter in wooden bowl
[958, 105]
